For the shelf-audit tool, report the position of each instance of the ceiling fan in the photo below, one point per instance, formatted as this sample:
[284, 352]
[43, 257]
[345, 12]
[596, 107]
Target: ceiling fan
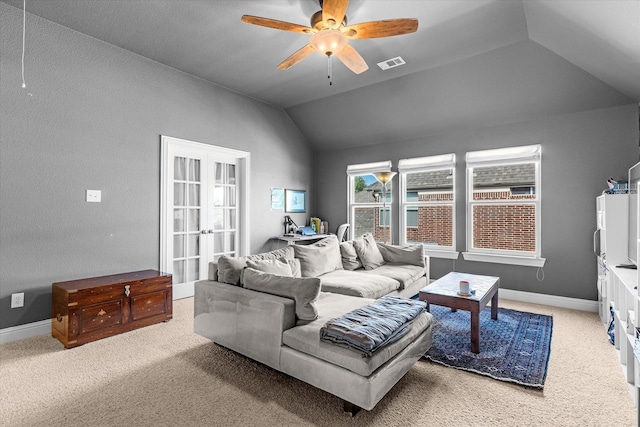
[330, 34]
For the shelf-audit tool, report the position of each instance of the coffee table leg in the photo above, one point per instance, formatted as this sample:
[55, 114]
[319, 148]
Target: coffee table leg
[494, 306]
[475, 331]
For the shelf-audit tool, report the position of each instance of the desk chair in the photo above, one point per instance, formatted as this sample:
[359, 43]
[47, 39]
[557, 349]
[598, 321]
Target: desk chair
[342, 232]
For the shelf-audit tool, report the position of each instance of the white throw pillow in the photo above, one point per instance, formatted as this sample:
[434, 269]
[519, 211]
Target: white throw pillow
[320, 257]
[272, 266]
[350, 260]
[368, 252]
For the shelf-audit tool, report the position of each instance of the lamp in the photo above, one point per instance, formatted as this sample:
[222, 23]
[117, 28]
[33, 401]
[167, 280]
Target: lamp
[329, 42]
[289, 226]
[383, 178]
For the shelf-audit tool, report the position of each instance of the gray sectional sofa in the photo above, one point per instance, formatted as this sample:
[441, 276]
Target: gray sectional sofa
[271, 306]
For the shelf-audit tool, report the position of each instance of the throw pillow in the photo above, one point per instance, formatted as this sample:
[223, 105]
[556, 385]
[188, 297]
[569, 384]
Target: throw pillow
[272, 266]
[405, 254]
[295, 267]
[303, 290]
[286, 252]
[368, 252]
[350, 260]
[229, 269]
[320, 257]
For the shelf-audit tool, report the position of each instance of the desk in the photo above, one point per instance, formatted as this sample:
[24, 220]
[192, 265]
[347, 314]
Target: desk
[299, 239]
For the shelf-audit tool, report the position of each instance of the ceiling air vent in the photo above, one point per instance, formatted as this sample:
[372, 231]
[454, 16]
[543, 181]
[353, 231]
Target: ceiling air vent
[391, 63]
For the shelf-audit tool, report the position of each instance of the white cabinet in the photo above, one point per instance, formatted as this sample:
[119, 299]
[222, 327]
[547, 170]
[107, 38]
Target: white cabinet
[610, 244]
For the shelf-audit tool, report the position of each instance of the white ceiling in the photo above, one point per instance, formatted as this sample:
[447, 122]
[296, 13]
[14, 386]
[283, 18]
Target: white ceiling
[207, 39]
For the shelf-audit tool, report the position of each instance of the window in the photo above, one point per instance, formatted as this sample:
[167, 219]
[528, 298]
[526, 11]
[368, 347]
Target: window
[366, 205]
[427, 204]
[503, 206]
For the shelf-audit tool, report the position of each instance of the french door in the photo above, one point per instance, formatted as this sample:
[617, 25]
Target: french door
[204, 209]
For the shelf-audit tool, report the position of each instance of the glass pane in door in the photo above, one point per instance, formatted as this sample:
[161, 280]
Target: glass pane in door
[224, 214]
[186, 219]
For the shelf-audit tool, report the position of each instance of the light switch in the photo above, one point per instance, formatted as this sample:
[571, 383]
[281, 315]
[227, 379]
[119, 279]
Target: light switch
[94, 196]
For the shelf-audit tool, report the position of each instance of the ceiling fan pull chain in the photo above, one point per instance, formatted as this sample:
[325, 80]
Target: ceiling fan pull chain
[329, 70]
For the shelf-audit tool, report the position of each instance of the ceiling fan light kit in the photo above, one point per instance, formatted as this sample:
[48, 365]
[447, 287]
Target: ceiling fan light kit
[330, 34]
[328, 42]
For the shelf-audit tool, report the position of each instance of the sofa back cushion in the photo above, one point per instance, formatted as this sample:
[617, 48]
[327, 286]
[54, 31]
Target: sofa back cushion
[303, 290]
[229, 268]
[320, 257]
[368, 252]
[405, 254]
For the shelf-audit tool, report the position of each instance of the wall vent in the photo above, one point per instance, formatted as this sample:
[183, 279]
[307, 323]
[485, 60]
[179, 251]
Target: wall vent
[391, 63]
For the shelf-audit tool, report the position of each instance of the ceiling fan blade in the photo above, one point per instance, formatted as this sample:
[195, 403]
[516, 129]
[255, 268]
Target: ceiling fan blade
[274, 23]
[333, 12]
[352, 59]
[376, 29]
[298, 56]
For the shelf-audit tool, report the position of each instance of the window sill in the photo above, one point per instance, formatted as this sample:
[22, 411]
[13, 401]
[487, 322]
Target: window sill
[440, 253]
[504, 259]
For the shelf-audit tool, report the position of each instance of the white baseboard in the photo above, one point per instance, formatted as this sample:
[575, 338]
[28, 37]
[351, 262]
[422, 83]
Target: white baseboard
[43, 327]
[20, 332]
[552, 300]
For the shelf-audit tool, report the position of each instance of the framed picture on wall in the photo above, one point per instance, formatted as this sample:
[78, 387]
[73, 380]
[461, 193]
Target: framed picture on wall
[295, 201]
[277, 199]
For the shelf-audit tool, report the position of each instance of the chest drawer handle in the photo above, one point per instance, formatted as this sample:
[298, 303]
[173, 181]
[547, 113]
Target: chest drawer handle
[59, 318]
[127, 292]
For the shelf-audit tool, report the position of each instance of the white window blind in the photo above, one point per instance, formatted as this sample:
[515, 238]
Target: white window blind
[421, 164]
[369, 168]
[503, 155]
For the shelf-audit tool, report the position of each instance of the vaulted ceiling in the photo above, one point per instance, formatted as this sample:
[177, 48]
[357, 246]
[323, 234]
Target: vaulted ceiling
[471, 62]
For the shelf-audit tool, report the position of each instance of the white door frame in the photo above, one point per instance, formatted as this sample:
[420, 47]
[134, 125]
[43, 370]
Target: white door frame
[167, 144]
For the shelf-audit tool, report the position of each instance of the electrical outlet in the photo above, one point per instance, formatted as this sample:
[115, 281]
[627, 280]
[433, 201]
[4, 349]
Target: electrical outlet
[17, 300]
[94, 196]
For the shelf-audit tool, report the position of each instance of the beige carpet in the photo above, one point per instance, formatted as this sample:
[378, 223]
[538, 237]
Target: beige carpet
[164, 375]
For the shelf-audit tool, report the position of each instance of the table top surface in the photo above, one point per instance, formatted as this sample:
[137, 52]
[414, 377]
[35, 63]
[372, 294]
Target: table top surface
[449, 285]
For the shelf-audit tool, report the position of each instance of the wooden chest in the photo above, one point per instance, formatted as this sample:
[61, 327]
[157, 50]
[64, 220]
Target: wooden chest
[86, 310]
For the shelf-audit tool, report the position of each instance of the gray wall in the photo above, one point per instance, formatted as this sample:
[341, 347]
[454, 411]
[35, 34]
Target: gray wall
[579, 152]
[91, 118]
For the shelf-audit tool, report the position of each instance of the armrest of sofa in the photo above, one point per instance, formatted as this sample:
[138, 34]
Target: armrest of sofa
[248, 322]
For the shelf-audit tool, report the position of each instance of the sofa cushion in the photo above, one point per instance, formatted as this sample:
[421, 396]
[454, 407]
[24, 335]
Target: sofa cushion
[368, 252]
[350, 260]
[229, 268]
[358, 283]
[320, 257]
[405, 254]
[303, 290]
[406, 274]
[306, 338]
[272, 266]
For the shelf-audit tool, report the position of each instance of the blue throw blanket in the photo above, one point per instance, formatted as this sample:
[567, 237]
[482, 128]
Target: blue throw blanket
[368, 328]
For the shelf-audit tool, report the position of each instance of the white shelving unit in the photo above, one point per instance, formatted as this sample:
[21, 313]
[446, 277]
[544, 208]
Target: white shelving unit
[618, 287]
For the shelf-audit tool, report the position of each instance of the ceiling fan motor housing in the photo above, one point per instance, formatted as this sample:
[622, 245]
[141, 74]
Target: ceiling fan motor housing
[317, 23]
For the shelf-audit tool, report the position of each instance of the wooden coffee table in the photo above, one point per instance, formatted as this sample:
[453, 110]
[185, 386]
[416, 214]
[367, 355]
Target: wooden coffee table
[444, 291]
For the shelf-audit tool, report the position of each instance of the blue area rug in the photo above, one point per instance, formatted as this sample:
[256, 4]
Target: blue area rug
[514, 348]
